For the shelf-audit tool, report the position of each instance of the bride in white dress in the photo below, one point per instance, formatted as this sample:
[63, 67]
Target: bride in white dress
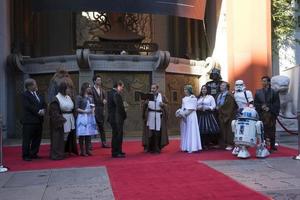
[189, 128]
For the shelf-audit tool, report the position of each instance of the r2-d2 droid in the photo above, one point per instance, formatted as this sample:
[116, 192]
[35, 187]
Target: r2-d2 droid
[248, 132]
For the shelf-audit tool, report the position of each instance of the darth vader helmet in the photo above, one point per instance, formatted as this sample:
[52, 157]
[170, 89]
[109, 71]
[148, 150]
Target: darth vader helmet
[215, 74]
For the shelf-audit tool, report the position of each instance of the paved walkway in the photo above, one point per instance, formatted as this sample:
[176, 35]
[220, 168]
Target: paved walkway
[67, 184]
[276, 177]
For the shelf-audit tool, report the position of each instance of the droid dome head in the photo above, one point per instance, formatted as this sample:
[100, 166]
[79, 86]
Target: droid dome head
[249, 112]
[215, 74]
[239, 86]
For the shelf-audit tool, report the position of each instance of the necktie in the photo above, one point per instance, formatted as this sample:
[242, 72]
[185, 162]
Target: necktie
[36, 96]
[220, 99]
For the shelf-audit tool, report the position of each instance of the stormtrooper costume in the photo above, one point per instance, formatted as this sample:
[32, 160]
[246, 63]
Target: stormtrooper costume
[242, 97]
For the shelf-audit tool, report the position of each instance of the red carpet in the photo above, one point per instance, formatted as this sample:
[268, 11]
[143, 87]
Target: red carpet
[175, 180]
[169, 175]
[135, 155]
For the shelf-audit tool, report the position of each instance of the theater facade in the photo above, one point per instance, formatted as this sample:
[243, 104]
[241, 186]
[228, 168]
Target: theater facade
[171, 43]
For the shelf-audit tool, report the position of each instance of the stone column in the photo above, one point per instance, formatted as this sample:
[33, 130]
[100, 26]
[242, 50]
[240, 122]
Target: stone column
[196, 39]
[4, 52]
[159, 77]
[249, 41]
[189, 37]
[176, 33]
[160, 28]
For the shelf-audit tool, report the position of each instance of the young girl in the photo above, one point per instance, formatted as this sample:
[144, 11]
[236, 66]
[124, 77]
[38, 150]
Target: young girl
[85, 123]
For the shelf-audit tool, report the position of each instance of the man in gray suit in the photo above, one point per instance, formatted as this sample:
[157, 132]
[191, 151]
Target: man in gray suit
[99, 98]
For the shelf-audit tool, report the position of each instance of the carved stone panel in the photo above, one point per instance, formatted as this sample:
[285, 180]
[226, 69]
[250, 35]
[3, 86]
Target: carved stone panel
[18, 106]
[89, 25]
[134, 82]
[174, 93]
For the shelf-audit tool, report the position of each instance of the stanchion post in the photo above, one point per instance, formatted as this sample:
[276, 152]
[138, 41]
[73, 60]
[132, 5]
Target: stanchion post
[2, 168]
[298, 156]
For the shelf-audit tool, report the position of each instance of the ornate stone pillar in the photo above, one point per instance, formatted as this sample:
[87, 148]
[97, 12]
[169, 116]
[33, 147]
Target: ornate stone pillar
[159, 77]
[189, 37]
[27, 28]
[196, 39]
[21, 28]
[4, 52]
[176, 34]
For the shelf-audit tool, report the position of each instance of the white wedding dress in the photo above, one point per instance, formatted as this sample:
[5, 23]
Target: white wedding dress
[189, 128]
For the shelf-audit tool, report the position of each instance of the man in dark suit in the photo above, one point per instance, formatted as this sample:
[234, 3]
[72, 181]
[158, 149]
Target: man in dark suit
[99, 100]
[34, 107]
[116, 117]
[267, 104]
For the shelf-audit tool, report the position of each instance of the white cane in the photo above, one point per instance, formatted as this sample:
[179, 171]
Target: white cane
[2, 168]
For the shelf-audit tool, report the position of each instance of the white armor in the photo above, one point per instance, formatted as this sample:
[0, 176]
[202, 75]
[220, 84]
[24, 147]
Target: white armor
[248, 132]
[242, 96]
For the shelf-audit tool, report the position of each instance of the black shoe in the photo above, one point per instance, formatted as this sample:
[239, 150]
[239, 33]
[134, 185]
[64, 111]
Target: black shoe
[26, 159]
[118, 156]
[83, 154]
[273, 149]
[157, 151]
[35, 157]
[104, 145]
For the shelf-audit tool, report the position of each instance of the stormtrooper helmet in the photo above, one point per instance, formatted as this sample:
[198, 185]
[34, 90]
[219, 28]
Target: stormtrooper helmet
[239, 86]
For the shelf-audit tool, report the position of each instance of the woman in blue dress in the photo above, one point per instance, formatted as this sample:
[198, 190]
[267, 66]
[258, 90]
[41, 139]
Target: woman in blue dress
[85, 122]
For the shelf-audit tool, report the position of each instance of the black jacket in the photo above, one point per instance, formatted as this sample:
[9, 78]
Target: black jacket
[31, 107]
[268, 97]
[115, 107]
[98, 99]
[99, 105]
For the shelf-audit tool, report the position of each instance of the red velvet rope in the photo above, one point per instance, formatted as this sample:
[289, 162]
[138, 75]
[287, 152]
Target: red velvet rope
[288, 131]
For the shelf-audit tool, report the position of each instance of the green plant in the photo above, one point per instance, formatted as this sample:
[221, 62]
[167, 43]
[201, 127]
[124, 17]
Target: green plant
[284, 23]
